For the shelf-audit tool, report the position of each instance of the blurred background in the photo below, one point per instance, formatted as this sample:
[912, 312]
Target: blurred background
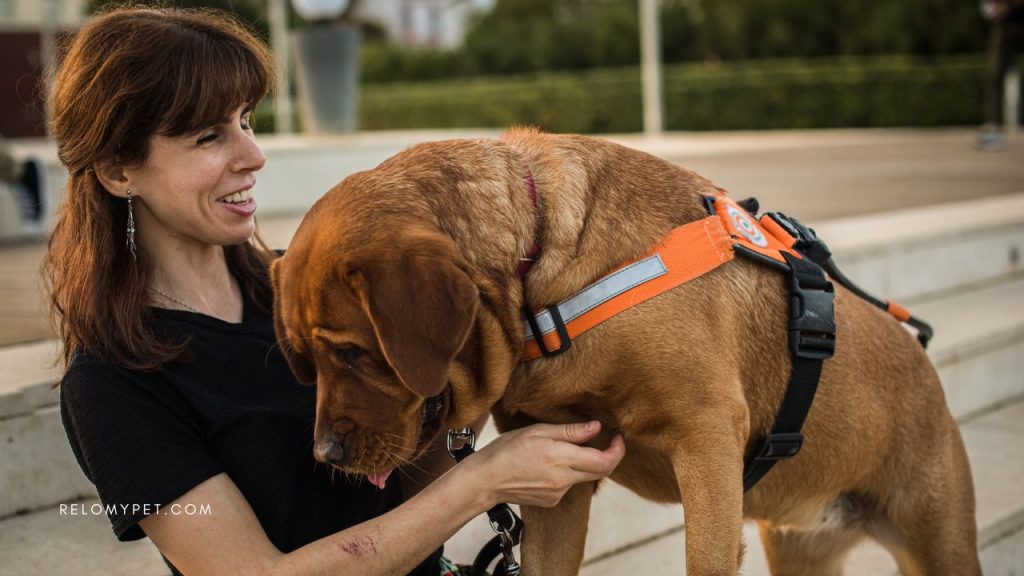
[573, 65]
[889, 125]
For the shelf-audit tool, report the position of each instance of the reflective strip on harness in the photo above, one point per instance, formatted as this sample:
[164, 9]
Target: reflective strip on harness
[685, 253]
[602, 291]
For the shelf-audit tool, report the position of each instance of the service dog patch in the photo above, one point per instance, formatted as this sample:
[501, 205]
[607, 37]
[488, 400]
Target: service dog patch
[745, 226]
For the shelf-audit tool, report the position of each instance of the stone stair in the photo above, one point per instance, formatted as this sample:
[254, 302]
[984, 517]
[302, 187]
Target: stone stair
[958, 266]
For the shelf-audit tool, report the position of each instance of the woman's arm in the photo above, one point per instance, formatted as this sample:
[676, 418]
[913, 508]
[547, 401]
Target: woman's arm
[231, 540]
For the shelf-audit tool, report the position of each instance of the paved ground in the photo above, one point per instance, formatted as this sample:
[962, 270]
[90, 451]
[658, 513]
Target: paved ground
[814, 175]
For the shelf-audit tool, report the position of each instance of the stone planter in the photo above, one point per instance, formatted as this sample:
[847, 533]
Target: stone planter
[327, 76]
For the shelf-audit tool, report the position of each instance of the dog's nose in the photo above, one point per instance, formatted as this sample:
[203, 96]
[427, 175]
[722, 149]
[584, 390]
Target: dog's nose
[330, 450]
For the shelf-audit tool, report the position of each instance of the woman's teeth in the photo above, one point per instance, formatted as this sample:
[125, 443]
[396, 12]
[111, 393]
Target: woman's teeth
[237, 197]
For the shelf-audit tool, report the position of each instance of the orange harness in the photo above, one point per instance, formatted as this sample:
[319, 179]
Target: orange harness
[687, 252]
[698, 248]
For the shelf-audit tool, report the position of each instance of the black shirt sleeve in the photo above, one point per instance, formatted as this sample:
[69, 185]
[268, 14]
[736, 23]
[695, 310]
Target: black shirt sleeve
[139, 442]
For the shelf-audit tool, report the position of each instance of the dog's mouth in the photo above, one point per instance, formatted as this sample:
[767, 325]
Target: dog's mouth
[431, 419]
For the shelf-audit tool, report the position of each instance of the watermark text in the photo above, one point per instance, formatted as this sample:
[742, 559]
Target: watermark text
[97, 509]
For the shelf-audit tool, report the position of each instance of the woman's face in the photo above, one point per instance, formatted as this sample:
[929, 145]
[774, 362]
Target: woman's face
[197, 188]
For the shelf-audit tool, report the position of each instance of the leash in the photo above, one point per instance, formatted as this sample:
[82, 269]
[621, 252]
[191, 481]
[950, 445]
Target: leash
[504, 521]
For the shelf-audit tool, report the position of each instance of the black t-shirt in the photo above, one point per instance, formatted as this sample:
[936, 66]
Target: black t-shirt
[234, 407]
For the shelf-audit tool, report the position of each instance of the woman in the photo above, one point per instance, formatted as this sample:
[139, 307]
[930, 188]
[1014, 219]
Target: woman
[1006, 35]
[177, 403]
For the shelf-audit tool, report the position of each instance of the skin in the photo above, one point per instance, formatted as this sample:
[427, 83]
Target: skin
[181, 229]
[179, 223]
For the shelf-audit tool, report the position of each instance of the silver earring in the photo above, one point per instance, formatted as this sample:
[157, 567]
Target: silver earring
[130, 241]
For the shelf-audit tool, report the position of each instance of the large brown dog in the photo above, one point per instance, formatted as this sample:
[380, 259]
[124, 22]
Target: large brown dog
[401, 285]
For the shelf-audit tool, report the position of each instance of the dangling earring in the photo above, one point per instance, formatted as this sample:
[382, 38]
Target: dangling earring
[130, 241]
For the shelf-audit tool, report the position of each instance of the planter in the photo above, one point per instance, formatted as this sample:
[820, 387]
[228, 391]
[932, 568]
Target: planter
[327, 74]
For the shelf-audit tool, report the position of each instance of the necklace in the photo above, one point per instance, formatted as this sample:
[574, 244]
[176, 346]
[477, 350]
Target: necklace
[175, 300]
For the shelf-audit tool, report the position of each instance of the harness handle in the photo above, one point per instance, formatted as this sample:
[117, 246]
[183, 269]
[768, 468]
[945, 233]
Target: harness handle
[815, 249]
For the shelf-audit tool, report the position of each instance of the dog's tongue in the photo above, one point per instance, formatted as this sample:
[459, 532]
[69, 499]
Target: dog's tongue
[379, 480]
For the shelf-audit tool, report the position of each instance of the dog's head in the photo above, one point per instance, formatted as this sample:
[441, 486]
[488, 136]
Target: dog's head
[405, 331]
[376, 324]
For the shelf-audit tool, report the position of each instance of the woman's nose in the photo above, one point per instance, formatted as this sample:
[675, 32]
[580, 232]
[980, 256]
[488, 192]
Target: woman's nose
[248, 156]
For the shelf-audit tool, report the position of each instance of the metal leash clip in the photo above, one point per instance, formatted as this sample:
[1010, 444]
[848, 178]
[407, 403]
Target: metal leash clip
[509, 566]
[466, 436]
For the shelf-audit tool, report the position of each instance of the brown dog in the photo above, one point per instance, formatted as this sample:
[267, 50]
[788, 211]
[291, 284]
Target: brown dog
[401, 284]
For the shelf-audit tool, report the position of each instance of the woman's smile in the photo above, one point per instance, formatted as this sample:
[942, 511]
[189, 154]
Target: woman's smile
[242, 203]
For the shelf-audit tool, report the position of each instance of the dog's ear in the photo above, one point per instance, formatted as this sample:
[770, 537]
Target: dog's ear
[422, 308]
[293, 351]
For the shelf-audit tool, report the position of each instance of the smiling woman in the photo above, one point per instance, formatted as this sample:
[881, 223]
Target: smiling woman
[176, 396]
[160, 100]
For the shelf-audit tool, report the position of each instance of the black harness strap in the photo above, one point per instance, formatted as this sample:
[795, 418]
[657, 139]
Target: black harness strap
[812, 333]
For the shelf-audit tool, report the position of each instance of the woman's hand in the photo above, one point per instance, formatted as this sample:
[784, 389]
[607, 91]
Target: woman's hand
[536, 465]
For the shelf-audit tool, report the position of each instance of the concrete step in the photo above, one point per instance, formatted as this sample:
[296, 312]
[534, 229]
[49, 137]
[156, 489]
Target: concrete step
[78, 539]
[915, 254]
[28, 373]
[37, 467]
[997, 463]
[978, 348]
[73, 540]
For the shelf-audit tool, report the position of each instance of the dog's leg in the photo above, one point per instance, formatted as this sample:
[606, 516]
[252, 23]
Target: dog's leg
[928, 525]
[793, 552]
[553, 538]
[709, 470]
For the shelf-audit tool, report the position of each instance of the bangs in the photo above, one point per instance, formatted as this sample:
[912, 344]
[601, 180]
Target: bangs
[208, 76]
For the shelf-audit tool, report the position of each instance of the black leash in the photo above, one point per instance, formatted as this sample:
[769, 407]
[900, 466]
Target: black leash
[504, 521]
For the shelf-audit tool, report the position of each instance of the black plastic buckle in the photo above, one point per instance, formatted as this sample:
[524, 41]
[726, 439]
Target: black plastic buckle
[709, 204]
[807, 240]
[781, 445]
[564, 342]
[812, 325]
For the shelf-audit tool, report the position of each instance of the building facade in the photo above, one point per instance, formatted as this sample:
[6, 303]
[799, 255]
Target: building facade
[428, 23]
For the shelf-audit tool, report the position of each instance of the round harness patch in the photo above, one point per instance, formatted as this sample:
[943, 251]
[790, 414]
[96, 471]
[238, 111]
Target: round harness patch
[745, 226]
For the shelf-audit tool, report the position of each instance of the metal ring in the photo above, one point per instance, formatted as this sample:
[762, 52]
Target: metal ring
[466, 435]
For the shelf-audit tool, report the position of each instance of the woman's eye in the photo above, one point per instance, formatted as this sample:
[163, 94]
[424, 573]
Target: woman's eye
[349, 355]
[207, 138]
[246, 124]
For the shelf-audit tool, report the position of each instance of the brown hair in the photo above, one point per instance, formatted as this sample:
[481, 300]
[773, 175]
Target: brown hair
[129, 74]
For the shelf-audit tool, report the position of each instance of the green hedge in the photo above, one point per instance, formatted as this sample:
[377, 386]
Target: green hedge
[763, 94]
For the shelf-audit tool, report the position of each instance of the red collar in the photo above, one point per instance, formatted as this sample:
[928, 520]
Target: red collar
[527, 261]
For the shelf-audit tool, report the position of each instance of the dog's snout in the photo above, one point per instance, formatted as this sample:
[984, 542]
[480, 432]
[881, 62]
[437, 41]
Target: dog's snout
[330, 450]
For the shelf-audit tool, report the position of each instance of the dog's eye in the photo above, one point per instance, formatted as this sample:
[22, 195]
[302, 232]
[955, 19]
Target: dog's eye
[349, 355]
